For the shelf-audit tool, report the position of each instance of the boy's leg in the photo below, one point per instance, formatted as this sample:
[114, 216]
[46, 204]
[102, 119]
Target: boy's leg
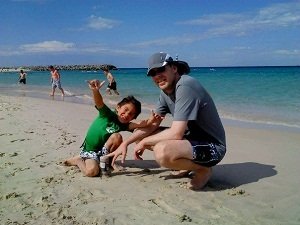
[111, 145]
[113, 142]
[88, 167]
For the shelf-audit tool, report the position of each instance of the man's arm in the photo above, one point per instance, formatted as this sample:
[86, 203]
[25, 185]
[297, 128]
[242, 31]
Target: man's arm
[135, 136]
[175, 132]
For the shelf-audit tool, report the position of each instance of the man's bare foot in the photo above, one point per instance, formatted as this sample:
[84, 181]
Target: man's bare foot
[200, 178]
[177, 174]
[51, 94]
[180, 173]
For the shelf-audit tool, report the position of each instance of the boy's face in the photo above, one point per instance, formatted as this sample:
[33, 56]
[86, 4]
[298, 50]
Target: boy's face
[126, 112]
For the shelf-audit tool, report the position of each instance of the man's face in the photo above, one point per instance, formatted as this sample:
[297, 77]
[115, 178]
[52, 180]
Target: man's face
[165, 78]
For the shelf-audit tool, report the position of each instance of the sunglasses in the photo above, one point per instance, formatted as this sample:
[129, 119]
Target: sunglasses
[155, 71]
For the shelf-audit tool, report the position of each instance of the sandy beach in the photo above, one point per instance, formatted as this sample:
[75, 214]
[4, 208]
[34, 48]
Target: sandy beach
[256, 183]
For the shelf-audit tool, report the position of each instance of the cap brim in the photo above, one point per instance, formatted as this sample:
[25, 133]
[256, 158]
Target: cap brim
[157, 65]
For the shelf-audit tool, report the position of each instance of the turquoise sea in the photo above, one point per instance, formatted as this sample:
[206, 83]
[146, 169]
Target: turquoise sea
[259, 96]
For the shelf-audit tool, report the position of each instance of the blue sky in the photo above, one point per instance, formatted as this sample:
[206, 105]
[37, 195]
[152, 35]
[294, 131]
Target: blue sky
[125, 33]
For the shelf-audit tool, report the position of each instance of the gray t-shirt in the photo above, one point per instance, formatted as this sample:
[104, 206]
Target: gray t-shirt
[191, 102]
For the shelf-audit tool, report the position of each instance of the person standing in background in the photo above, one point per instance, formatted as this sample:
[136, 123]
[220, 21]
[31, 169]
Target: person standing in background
[112, 84]
[22, 77]
[55, 81]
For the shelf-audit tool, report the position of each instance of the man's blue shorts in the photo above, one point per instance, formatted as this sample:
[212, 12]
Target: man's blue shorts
[206, 153]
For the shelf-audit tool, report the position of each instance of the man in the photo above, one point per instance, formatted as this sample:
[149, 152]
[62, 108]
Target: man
[22, 77]
[196, 139]
[55, 81]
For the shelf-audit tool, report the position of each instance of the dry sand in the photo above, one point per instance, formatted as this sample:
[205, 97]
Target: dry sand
[256, 183]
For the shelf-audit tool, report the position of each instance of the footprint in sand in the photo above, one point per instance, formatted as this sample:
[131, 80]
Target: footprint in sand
[6, 134]
[12, 195]
[236, 192]
[37, 156]
[17, 170]
[170, 210]
[13, 154]
[22, 139]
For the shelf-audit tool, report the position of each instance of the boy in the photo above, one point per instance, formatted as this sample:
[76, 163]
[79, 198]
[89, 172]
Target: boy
[102, 136]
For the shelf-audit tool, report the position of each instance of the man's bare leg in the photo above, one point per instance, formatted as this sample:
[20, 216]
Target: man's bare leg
[177, 154]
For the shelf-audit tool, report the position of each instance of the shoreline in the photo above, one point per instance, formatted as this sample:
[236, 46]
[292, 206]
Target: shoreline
[86, 99]
[254, 184]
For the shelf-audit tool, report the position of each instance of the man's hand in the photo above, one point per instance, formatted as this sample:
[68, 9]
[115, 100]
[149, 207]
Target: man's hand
[139, 150]
[121, 150]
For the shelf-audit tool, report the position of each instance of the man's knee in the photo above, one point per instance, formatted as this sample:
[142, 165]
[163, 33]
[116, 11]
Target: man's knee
[161, 153]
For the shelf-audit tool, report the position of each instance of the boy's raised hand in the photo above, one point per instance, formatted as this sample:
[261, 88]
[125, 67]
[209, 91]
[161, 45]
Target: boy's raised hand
[95, 84]
[154, 118]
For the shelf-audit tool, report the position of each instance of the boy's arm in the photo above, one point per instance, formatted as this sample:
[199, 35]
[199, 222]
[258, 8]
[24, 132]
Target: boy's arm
[95, 85]
[153, 119]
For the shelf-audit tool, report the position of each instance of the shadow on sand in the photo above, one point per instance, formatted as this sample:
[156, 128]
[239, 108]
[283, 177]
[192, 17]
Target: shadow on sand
[225, 176]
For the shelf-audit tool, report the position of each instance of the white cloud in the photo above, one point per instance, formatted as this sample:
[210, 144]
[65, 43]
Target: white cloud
[218, 25]
[47, 46]
[99, 23]
[213, 20]
[277, 15]
[288, 52]
[96, 48]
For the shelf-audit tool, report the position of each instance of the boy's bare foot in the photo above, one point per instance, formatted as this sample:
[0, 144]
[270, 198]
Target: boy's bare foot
[200, 178]
[72, 161]
[117, 168]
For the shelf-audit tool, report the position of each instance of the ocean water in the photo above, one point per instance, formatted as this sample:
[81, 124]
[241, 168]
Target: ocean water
[267, 96]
